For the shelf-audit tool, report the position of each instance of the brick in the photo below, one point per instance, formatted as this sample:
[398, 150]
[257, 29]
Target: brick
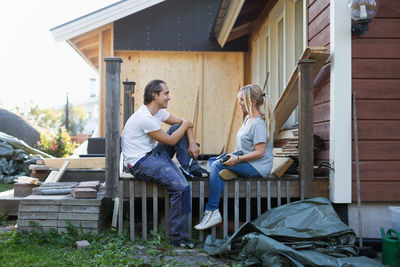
[82, 244]
[84, 193]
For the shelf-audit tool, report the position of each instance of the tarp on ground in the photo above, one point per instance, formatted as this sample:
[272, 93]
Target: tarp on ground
[302, 233]
[15, 157]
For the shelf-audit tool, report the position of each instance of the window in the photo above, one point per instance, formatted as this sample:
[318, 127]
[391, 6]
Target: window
[279, 48]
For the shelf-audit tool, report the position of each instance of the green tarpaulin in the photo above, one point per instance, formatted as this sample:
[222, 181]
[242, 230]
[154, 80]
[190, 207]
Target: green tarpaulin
[303, 233]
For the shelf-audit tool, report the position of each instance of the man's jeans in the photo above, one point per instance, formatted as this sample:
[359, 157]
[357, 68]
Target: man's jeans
[216, 185]
[157, 167]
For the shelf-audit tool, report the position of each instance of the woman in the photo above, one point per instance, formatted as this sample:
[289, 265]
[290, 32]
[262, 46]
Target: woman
[254, 139]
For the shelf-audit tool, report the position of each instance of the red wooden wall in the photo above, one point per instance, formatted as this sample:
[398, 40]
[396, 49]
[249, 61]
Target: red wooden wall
[376, 82]
[318, 35]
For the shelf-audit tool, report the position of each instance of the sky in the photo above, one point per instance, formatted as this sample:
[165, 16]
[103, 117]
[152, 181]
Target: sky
[33, 67]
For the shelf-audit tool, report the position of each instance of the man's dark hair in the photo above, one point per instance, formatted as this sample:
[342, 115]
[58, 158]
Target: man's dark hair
[151, 87]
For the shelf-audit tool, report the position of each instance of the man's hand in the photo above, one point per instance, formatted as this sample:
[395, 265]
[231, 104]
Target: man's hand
[193, 150]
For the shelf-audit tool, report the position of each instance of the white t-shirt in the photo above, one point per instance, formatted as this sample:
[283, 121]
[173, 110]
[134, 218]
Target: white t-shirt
[136, 141]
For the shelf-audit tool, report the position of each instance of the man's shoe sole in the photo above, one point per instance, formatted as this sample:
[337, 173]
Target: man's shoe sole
[227, 175]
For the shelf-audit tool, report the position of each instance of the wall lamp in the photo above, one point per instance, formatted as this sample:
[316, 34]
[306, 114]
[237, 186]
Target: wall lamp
[362, 12]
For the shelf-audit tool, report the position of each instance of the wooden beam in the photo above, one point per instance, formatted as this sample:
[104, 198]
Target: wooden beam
[76, 163]
[239, 32]
[90, 42]
[55, 176]
[289, 99]
[105, 50]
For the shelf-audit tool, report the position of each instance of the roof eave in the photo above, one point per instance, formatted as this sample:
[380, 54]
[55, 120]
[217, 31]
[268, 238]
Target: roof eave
[229, 20]
[100, 18]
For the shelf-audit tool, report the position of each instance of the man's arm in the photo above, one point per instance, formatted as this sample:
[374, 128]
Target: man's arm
[172, 139]
[193, 148]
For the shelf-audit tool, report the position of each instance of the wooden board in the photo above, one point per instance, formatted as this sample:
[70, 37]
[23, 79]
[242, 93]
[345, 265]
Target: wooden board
[376, 88]
[384, 171]
[280, 165]
[215, 77]
[77, 163]
[383, 28]
[316, 8]
[288, 101]
[55, 176]
[320, 22]
[377, 191]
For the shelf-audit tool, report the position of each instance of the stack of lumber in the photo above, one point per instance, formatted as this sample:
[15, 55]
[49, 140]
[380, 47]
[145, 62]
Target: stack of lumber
[39, 170]
[24, 185]
[53, 212]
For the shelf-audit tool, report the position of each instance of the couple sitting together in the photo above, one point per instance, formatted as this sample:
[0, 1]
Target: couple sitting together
[153, 164]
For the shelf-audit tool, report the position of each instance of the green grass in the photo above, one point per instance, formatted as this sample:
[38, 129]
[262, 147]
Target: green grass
[5, 187]
[106, 249]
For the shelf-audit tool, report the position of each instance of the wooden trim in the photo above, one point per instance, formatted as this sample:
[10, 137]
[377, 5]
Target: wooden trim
[230, 18]
[258, 26]
[340, 105]
[76, 163]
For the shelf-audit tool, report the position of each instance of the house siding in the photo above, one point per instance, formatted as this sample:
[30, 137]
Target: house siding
[376, 83]
[318, 35]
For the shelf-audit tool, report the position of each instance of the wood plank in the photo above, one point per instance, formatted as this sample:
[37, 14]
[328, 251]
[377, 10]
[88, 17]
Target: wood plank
[375, 48]
[379, 150]
[379, 129]
[378, 109]
[378, 191]
[322, 130]
[388, 9]
[376, 88]
[321, 112]
[289, 99]
[320, 22]
[383, 28]
[322, 94]
[76, 163]
[321, 39]
[316, 8]
[376, 68]
[55, 176]
[132, 210]
[379, 171]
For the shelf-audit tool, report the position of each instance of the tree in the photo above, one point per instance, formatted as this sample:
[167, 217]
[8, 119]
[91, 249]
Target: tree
[77, 119]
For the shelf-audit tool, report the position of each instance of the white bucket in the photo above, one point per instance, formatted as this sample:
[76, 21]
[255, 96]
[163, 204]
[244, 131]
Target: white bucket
[395, 211]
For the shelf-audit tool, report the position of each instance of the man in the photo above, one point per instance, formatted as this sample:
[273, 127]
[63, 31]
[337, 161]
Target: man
[154, 164]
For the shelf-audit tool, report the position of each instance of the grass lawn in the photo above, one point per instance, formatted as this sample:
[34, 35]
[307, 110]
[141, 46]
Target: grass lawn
[106, 249]
[5, 187]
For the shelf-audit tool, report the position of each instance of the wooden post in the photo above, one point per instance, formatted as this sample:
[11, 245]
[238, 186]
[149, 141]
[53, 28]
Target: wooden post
[113, 150]
[129, 101]
[306, 121]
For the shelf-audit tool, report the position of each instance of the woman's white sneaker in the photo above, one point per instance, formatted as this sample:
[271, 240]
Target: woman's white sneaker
[209, 219]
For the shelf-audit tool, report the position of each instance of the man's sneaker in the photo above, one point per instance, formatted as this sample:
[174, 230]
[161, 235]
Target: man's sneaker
[200, 172]
[209, 219]
[227, 175]
[183, 243]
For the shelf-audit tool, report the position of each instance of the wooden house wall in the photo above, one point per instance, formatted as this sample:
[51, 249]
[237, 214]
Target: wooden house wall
[318, 35]
[376, 82]
[208, 80]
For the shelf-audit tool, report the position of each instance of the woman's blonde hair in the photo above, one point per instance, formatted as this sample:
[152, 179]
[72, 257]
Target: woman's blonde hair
[252, 93]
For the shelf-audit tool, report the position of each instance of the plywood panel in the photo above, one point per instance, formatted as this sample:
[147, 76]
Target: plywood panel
[376, 68]
[378, 109]
[377, 191]
[378, 171]
[377, 88]
[376, 48]
[223, 78]
[215, 77]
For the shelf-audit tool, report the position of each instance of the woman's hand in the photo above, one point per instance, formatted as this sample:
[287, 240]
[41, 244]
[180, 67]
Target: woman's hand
[233, 160]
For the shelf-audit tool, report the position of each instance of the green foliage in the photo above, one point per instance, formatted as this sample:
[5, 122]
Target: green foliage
[3, 218]
[51, 119]
[6, 187]
[58, 145]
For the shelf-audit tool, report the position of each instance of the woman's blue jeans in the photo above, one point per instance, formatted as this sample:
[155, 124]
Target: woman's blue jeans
[243, 169]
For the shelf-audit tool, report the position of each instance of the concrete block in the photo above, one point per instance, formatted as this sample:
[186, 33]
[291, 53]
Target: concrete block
[84, 193]
[38, 215]
[44, 223]
[39, 208]
[85, 230]
[84, 224]
[70, 201]
[82, 244]
[79, 216]
[89, 184]
[29, 229]
[80, 209]
[42, 200]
